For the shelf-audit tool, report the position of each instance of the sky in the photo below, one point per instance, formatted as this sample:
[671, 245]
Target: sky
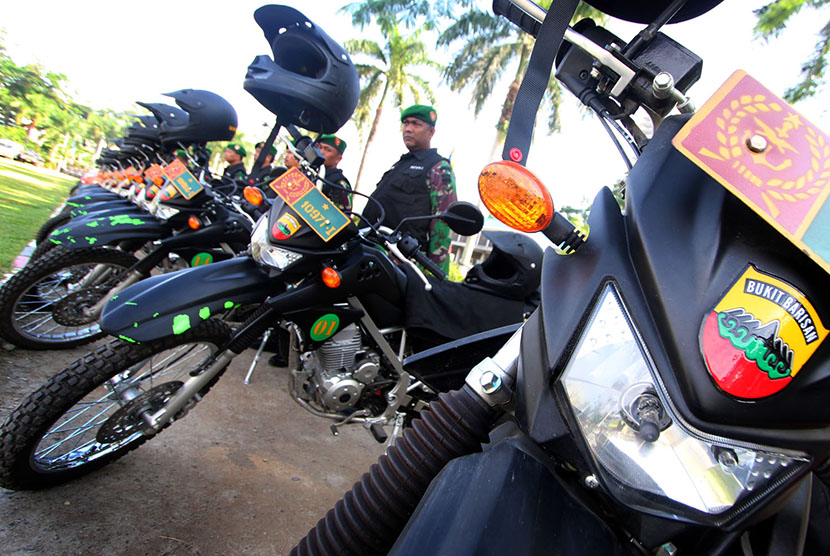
[115, 53]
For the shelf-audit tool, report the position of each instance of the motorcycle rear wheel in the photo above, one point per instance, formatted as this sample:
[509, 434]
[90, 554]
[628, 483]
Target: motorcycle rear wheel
[77, 422]
[55, 285]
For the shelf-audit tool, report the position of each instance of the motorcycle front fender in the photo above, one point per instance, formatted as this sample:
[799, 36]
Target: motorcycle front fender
[169, 304]
[110, 229]
[444, 368]
[80, 200]
[505, 500]
[103, 208]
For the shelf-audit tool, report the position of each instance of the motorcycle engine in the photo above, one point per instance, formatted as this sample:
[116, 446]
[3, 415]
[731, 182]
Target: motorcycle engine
[341, 368]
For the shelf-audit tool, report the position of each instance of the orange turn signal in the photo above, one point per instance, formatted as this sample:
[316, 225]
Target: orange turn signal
[253, 195]
[515, 196]
[331, 277]
[151, 192]
[158, 181]
[194, 223]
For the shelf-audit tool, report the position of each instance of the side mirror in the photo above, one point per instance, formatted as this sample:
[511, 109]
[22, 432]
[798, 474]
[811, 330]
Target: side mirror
[463, 218]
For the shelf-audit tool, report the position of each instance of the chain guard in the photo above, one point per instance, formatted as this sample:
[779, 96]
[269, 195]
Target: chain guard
[127, 421]
[70, 310]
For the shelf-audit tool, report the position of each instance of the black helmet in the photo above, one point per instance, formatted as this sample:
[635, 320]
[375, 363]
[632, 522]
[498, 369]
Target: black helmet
[209, 118]
[311, 81]
[145, 129]
[172, 116]
[513, 269]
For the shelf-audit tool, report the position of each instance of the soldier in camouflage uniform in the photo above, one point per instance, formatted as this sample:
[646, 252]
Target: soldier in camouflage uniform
[420, 183]
[332, 148]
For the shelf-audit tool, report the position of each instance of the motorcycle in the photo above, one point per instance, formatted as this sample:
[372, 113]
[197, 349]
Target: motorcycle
[668, 395]
[55, 300]
[352, 302]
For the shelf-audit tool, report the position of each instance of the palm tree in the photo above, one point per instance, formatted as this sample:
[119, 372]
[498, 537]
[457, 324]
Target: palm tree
[772, 19]
[491, 45]
[390, 73]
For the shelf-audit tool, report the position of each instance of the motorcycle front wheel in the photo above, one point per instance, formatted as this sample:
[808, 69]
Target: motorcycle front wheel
[89, 414]
[46, 304]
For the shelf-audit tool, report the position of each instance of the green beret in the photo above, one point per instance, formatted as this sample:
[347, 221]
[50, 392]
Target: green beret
[272, 150]
[180, 153]
[422, 112]
[237, 148]
[334, 141]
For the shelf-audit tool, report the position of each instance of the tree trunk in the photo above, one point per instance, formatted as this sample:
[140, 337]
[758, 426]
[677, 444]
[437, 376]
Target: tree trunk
[372, 132]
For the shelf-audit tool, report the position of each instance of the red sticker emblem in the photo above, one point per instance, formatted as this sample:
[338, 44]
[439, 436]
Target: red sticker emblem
[759, 336]
[337, 141]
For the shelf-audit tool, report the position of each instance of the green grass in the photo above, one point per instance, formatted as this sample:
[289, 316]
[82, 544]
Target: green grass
[28, 195]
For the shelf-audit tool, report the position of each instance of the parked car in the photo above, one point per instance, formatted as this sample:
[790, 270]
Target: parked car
[9, 148]
[30, 156]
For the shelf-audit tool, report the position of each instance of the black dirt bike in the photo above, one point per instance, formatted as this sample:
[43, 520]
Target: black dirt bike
[669, 395]
[351, 301]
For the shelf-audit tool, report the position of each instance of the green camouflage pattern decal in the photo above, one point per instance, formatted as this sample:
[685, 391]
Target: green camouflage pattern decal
[181, 324]
[441, 195]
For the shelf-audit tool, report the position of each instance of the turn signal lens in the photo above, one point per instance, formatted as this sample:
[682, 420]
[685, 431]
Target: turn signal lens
[331, 277]
[515, 196]
[194, 223]
[253, 195]
[158, 181]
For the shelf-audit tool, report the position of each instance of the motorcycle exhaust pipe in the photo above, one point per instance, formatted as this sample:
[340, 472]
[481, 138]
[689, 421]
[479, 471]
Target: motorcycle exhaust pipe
[370, 517]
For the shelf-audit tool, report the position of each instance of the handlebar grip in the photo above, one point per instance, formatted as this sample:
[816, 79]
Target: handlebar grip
[427, 263]
[517, 16]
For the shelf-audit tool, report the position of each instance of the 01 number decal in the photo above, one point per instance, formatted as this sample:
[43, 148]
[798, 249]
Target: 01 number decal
[324, 327]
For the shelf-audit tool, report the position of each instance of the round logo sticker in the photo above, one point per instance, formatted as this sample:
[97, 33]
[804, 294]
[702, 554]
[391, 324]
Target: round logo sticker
[324, 327]
[201, 259]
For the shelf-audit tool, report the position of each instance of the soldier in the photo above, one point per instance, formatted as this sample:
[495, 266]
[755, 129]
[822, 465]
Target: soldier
[234, 155]
[332, 148]
[261, 173]
[419, 184]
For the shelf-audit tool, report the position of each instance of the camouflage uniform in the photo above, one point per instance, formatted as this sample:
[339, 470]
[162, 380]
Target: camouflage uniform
[339, 197]
[441, 195]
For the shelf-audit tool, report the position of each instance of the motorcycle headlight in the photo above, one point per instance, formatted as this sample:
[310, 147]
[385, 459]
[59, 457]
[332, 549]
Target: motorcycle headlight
[267, 254]
[610, 384]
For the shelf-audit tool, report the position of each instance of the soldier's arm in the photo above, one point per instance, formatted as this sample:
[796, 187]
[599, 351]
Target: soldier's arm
[442, 195]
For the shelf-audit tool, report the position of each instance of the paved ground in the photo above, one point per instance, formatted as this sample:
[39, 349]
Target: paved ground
[247, 472]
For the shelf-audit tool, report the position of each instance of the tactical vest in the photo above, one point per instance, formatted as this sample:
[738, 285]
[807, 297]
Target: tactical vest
[403, 191]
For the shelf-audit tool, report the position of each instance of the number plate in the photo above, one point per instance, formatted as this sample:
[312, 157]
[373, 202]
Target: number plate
[316, 209]
[769, 156]
[182, 179]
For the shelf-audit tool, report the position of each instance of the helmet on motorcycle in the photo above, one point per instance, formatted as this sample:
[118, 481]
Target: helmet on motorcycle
[166, 114]
[146, 130]
[513, 269]
[209, 118]
[646, 11]
[311, 81]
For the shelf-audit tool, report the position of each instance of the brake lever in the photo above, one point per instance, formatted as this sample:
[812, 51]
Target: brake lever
[393, 247]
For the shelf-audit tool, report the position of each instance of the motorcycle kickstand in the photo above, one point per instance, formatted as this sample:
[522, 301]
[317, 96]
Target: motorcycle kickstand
[265, 337]
[397, 430]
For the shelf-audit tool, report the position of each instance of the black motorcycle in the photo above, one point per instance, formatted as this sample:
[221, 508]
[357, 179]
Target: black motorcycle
[669, 394]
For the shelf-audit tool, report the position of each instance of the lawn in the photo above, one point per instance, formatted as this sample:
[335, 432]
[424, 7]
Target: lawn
[28, 195]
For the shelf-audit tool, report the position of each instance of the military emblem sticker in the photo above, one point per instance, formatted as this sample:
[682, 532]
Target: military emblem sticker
[285, 226]
[759, 335]
[769, 156]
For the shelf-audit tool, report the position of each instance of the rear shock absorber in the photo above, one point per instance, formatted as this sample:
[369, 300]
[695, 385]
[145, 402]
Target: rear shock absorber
[369, 518]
